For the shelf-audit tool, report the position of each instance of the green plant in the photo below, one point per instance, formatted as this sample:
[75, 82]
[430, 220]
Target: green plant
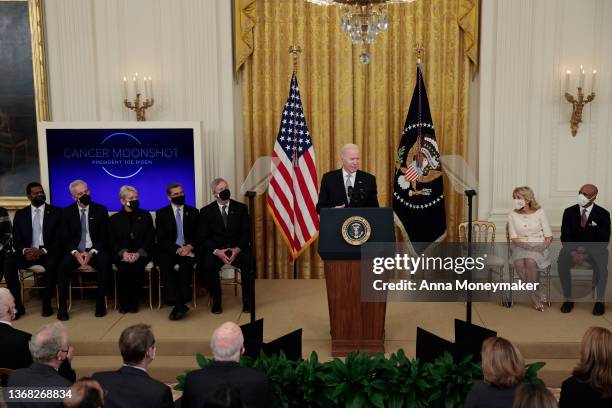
[361, 380]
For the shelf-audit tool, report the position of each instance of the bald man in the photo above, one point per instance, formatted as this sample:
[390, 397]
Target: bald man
[227, 345]
[348, 186]
[585, 222]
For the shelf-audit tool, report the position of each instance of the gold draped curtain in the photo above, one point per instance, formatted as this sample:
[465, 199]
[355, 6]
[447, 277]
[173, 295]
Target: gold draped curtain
[347, 102]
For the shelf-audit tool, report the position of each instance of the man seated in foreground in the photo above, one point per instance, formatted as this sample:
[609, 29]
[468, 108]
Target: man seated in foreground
[131, 385]
[227, 347]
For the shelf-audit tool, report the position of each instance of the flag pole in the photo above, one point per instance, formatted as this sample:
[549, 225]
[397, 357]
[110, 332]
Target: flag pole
[295, 51]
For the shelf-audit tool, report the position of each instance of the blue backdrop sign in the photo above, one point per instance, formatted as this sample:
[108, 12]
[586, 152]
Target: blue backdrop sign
[148, 159]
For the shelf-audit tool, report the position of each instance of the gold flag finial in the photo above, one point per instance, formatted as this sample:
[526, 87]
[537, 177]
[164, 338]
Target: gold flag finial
[295, 50]
[419, 51]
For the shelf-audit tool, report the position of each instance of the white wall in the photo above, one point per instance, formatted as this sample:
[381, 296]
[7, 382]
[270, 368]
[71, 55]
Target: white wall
[185, 45]
[524, 134]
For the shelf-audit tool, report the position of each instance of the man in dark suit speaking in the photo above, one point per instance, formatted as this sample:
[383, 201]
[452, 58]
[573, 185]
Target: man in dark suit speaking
[85, 227]
[348, 186]
[585, 222]
[37, 241]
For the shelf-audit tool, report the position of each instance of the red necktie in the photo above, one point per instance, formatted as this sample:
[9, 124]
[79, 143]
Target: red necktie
[583, 218]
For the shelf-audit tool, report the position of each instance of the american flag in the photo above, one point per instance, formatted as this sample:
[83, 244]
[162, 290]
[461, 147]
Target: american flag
[293, 189]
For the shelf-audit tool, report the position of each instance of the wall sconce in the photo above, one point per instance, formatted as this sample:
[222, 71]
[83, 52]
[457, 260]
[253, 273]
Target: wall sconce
[579, 101]
[141, 102]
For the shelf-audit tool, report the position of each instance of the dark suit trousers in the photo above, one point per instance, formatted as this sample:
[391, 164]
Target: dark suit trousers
[100, 262]
[597, 257]
[210, 270]
[130, 277]
[17, 261]
[177, 282]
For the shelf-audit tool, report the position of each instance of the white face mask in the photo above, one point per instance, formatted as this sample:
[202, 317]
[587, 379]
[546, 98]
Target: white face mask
[519, 203]
[582, 200]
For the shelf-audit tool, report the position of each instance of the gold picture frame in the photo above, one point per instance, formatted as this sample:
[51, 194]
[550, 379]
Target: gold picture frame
[39, 71]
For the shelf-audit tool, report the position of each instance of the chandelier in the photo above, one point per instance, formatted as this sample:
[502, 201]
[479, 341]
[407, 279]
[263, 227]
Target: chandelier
[362, 20]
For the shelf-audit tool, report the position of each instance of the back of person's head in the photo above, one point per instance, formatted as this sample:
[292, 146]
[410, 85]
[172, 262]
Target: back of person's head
[135, 342]
[223, 396]
[596, 359]
[502, 363]
[47, 342]
[7, 305]
[85, 393]
[226, 342]
[533, 396]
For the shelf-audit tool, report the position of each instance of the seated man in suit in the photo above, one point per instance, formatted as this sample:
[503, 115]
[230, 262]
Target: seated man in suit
[589, 223]
[37, 241]
[132, 237]
[14, 342]
[131, 386]
[227, 347]
[85, 228]
[224, 236]
[348, 186]
[5, 238]
[176, 227]
[49, 348]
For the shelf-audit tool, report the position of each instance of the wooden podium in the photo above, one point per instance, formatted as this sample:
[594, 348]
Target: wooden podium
[355, 325]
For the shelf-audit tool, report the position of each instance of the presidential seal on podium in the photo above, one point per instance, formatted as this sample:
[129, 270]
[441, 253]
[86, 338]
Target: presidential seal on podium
[356, 230]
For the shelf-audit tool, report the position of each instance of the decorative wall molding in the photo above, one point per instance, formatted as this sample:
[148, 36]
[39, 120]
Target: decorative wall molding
[185, 45]
[524, 135]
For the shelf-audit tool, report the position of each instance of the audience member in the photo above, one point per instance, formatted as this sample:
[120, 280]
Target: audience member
[223, 396]
[585, 222]
[534, 396]
[227, 347]
[131, 385]
[591, 382]
[531, 236]
[85, 393]
[503, 369]
[85, 227]
[16, 341]
[132, 237]
[49, 348]
[5, 237]
[176, 226]
[37, 241]
[225, 238]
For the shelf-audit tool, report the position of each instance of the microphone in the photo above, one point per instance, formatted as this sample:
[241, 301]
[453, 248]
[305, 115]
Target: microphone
[349, 193]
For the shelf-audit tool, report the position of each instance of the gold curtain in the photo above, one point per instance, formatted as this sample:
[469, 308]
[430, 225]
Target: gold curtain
[244, 22]
[347, 102]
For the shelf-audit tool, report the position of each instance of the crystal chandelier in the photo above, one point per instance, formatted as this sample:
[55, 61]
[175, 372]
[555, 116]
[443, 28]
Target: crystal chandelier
[362, 20]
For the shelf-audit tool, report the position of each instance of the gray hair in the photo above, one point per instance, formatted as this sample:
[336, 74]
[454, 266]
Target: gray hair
[47, 341]
[216, 182]
[347, 147]
[76, 183]
[226, 342]
[125, 189]
[6, 301]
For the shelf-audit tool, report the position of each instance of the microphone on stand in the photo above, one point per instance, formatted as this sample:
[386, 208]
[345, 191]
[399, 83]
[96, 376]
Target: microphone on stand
[349, 193]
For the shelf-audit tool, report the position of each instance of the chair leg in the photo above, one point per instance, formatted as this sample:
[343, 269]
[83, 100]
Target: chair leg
[150, 290]
[159, 294]
[194, 290]
[115, 287]
[81, 285]
[69, 296]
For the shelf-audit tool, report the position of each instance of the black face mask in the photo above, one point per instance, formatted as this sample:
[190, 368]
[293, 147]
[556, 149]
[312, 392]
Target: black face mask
[178, 200]
[39, 200]
[85, 199]
[225, 194]
[133, 204]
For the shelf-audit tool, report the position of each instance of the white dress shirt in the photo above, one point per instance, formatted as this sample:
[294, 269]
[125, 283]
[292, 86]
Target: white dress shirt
[88, 241]
[588, 210]
[345, 174]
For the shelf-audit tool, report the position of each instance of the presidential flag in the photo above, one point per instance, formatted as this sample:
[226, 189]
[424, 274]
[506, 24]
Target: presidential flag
[293, 190]
[418, 190]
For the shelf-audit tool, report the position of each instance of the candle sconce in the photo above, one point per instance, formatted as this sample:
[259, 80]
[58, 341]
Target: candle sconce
[579, 101]
[141, 101]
